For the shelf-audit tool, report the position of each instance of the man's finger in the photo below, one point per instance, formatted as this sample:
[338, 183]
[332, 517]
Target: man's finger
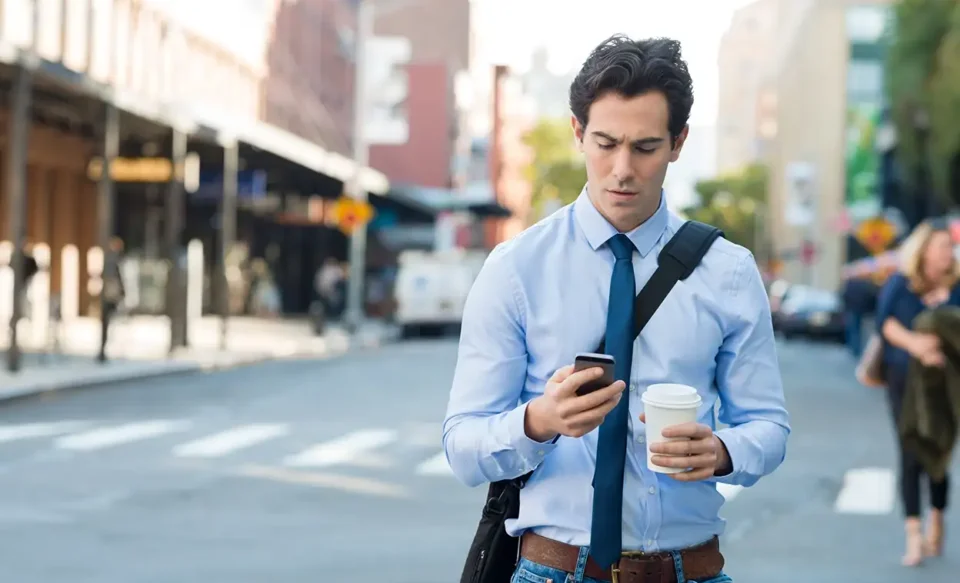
[685, 447]
[561, 374]
[576, 379]
[695, 475]
[695, 462]
[691, 430]
[600, 397]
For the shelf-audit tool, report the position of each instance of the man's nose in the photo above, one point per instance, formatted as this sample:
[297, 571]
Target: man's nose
[622, 170]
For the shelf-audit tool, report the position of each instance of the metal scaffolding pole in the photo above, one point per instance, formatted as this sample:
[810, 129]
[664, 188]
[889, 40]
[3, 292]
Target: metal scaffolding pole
[176, 253]
[105, 199]
[16, 172]
[358, 241]
[228, 229]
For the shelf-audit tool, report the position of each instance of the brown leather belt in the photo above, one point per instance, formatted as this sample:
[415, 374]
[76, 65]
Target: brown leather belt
[700, 562]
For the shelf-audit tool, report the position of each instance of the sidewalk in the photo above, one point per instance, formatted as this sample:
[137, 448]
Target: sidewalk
[138, 348]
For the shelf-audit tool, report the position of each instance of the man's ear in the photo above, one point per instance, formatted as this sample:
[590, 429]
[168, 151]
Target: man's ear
[678, 143]
[577, 132]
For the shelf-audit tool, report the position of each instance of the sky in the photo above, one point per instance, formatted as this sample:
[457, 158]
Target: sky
[510, 30]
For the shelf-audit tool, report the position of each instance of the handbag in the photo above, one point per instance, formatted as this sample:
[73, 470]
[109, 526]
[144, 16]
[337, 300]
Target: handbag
[870, 371]
[494, 554]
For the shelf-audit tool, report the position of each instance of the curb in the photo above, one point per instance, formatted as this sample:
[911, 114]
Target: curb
[170, 368]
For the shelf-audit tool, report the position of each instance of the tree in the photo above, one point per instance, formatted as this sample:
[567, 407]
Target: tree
[735, 203]
[923, 74]
[556, 172]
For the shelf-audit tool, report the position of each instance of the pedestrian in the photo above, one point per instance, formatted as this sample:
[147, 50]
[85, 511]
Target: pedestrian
[928, 278]
[859, 301]
[112, 292]
[545, 295]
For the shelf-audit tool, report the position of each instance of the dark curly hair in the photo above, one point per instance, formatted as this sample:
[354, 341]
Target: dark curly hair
[633, 67]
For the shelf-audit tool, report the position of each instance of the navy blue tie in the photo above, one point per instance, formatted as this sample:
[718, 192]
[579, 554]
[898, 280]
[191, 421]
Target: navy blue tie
[605, 534]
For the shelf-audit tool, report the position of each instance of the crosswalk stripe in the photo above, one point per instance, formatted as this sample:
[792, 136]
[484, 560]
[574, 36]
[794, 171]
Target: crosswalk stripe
[231, 440]
[435, 466]
[10, 433]
[120, 434]
[343, 449]
[867, 491]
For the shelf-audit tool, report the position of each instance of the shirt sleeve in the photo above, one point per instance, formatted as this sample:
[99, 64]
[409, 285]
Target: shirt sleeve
[752, 401]
[889, 299]
[483, 432]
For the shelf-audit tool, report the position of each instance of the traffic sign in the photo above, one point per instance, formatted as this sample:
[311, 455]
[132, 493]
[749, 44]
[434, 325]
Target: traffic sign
[349, 214]
[876, 234]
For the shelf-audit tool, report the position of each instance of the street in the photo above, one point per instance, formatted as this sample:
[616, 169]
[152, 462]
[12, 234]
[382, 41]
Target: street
[332, 471]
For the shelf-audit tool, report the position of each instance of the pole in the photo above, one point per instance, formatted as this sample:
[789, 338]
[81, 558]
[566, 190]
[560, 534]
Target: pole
[105, 207]
[17, 198]
[176, 280]
[228, 229]
[358, 241]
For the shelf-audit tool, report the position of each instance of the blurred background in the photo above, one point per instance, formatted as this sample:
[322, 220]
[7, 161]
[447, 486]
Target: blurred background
[249, 227]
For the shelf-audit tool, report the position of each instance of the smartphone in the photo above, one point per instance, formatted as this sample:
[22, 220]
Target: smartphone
[587, 360]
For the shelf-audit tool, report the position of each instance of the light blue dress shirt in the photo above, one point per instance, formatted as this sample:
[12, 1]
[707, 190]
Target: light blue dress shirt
[541, 298]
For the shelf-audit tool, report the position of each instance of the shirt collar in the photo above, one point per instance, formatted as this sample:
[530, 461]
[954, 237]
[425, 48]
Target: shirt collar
[598, 230]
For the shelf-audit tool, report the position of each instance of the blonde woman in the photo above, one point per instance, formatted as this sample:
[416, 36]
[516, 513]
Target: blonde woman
[928, 278]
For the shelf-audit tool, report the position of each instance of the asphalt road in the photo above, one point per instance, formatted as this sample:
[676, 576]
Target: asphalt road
[332, 471]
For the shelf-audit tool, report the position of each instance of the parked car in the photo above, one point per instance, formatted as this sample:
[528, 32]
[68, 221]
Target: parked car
[810, 312]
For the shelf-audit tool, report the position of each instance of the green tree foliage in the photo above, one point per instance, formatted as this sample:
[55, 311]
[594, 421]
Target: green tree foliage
[556, 171]
[735, 203]
[923, 72]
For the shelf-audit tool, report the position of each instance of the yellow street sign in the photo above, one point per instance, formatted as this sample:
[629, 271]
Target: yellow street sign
[876, 234]
[350, 214]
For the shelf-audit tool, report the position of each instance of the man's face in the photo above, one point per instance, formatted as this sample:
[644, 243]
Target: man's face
[626, 146]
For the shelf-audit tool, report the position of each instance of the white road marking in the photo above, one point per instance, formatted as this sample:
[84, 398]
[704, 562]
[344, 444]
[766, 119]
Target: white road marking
[729, 491]
[32, 430]
[343, 449]
[435, 466]
[229, 441]
[867, 491]
[350, 484]
[120, 434]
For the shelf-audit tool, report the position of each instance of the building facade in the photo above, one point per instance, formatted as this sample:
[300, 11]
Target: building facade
[157, 57]
[439, 33]
[809, 165]
[744, 60]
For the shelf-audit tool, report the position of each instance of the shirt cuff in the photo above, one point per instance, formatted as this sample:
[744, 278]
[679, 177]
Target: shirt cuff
[530, 451]
[736, 450]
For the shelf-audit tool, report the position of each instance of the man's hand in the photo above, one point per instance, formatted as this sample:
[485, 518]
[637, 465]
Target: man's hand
[560, 411]
[702, 453]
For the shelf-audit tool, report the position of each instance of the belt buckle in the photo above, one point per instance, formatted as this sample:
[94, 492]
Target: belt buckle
[652, 565]
[615, 569]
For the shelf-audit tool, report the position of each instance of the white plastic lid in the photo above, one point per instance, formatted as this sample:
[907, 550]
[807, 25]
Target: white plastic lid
[671, 396]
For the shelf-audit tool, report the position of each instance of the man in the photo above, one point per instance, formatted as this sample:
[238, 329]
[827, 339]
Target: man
[543, 296]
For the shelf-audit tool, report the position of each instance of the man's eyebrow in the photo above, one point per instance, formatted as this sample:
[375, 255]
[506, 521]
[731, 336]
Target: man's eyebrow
[641, 142]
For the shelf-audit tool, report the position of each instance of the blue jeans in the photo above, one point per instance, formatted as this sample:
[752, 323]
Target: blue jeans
[529, 572]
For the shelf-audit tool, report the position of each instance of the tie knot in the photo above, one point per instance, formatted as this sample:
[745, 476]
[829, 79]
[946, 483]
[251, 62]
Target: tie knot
[622, 246]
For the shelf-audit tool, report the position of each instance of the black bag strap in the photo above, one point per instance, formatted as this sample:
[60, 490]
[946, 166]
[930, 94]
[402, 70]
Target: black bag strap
[675, 262]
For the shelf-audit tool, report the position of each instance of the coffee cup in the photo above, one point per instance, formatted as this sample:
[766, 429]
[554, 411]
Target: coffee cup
[667, 404]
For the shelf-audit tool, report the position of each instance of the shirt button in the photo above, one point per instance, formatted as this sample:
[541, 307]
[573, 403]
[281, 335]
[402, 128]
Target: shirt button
[633, 387]
[640, 439]
[652, 490]
[540, 452]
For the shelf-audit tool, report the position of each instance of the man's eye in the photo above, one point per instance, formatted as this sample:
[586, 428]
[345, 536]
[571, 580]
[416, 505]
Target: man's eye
[646, 150]
[606, 146]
